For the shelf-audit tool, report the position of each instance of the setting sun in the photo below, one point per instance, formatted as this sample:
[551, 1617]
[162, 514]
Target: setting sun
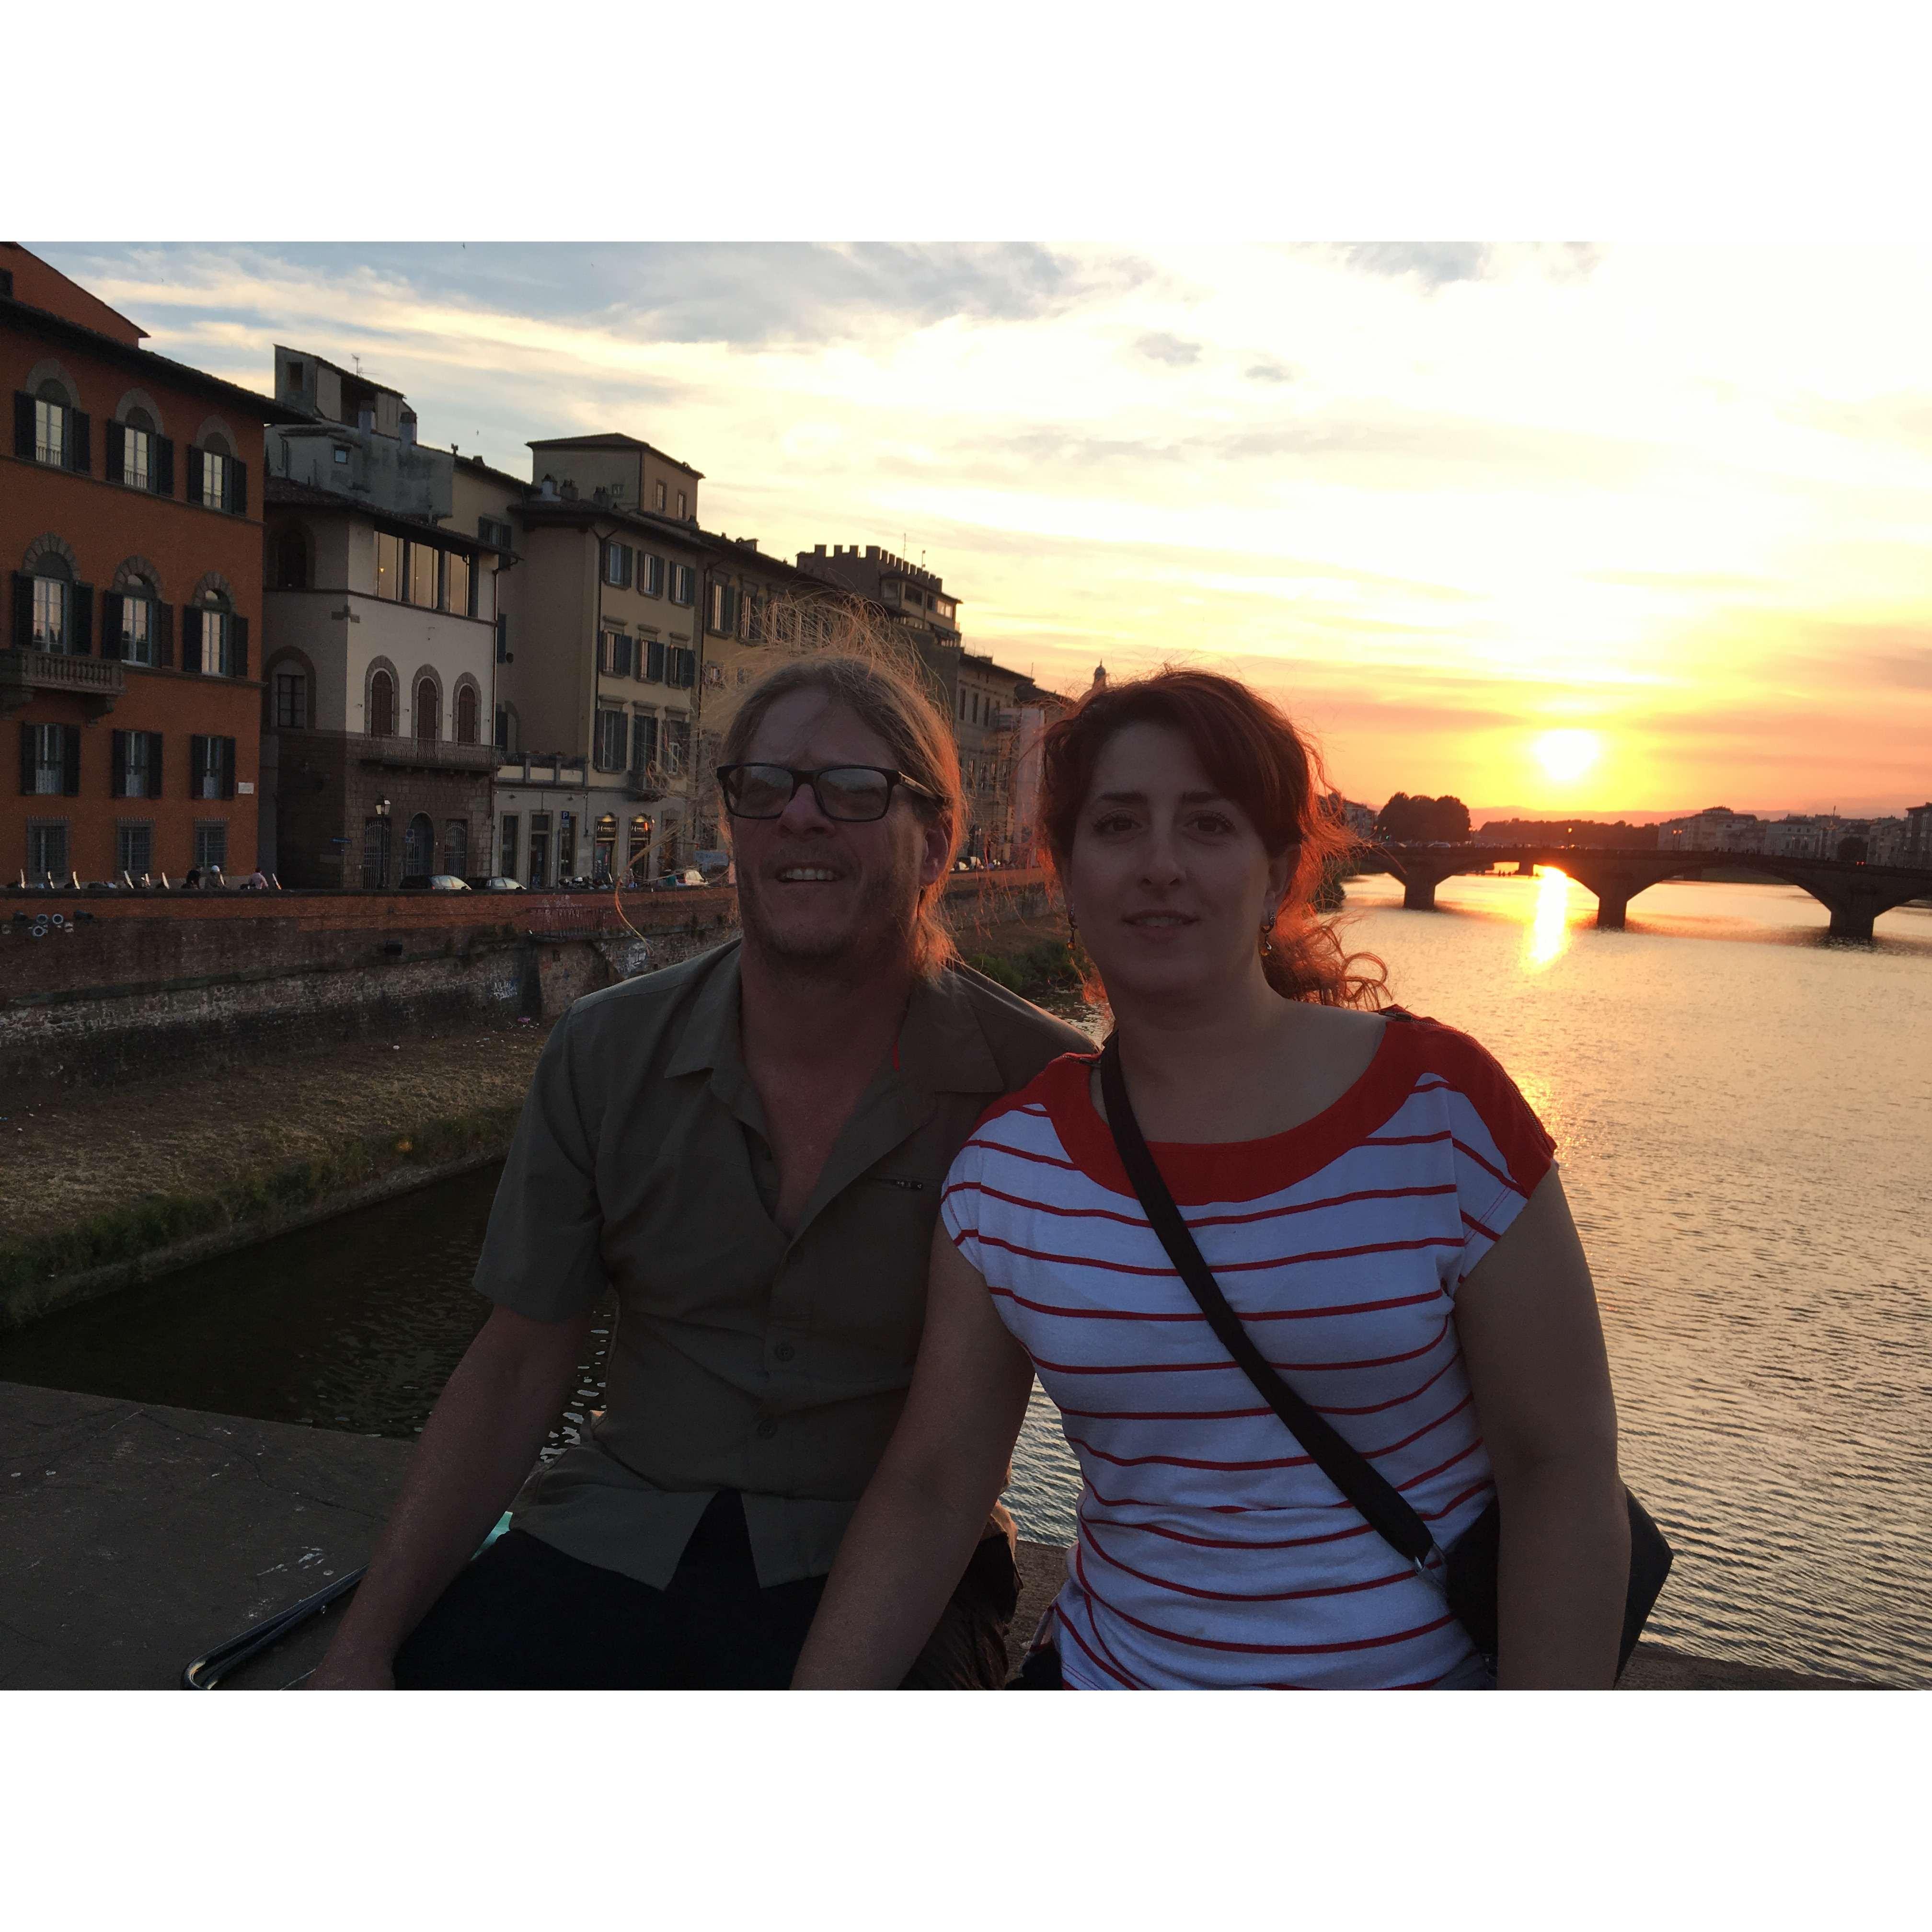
[1567, 754]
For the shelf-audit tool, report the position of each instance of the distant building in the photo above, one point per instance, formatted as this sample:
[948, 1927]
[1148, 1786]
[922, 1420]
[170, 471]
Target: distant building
[1716, 829]
[1916, 848]
[378, 658]
[914, 598]
[986, 727]
[128, 500]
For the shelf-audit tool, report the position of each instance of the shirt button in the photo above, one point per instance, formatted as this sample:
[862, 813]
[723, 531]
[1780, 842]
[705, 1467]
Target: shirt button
[767, 1429]
[785, 1351]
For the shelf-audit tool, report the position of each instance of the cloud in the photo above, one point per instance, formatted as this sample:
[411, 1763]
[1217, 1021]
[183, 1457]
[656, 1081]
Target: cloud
[1173, 350]
[1434, 264]
[1269, 371]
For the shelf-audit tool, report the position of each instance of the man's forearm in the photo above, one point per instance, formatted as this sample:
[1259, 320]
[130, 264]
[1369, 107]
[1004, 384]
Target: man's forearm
[478, 1446]
[1563, 1575]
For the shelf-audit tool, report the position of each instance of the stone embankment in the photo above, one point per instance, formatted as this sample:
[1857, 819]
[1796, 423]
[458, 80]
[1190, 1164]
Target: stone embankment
[184, 1074]
[139, 1538]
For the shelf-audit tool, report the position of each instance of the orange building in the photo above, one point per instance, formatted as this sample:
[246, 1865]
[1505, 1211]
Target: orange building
[133, 549]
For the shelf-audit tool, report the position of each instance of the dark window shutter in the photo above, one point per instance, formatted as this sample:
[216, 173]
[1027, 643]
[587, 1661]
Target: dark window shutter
[117, 786]
[194, 474]
[23, 424]
[238, 646]
[238, 488]
[154, 765]
[191, 636]
[116, 452]
[80, 618]
[163, 469]
[23, 609]
[80, 447]
[502, 637]
[69, 759]
[197, 762]
[112, 604]
[628, 566]
[164, 636]
[227, 767]
[26, 759]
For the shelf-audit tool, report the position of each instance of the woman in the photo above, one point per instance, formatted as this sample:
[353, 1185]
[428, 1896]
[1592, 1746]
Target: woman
[1376, 1201]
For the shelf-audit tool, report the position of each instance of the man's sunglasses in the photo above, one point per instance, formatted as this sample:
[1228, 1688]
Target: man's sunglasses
[855, 794]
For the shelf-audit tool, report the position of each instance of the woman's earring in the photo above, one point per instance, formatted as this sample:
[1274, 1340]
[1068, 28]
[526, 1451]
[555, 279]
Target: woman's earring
[1267, 933]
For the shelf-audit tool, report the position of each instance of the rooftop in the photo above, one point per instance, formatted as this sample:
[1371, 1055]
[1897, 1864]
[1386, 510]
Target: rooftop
[613, 439]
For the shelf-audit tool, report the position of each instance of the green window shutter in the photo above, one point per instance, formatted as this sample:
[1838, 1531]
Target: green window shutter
[194, 474]
[238, 646]
[164, 636]
[80, 619]
[191, 658]
[197, 762]
[23, 424]
[117, 776]
[80, 450]
[111, 606]
[116, 452]
[69, 759]
[27, 759]
[237, 487]
[23, 609]
[227, 746]
[161, 472]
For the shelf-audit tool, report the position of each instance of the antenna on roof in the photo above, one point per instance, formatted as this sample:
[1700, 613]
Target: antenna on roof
[358, 364]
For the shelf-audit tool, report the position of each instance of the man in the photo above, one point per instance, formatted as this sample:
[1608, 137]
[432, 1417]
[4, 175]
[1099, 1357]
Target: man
[747, 1149]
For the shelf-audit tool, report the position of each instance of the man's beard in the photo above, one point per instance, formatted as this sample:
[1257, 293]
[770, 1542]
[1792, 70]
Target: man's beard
[880, 928]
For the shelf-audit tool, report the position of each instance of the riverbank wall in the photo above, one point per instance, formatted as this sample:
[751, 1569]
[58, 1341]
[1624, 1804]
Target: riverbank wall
[97, 989]
[265, 1062]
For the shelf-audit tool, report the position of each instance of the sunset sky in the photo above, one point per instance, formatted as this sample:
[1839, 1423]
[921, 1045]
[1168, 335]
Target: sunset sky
[1444, 500]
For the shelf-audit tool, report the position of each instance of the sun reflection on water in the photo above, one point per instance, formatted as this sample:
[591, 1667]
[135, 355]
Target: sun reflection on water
[1549, 934]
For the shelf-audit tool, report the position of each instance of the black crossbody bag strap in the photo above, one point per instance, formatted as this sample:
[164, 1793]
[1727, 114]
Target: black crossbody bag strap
[1392, 1518]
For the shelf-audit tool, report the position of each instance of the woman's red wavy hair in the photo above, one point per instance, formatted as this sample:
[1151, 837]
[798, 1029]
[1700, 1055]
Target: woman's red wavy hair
[1254, 754]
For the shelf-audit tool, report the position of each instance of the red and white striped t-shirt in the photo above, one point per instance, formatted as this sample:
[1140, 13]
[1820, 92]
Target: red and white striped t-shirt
[1211, 1552]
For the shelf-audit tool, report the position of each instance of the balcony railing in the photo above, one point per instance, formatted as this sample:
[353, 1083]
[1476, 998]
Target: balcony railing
[434, 754]
[546, 769]
[26, 674]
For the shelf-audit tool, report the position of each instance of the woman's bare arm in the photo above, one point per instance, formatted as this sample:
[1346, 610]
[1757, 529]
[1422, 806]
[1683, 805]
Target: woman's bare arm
[1527, 1321]
[480, 1442]
[926, 1506]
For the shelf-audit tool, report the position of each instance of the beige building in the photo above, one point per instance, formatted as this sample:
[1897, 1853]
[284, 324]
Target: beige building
[912, 597]
[600, 671]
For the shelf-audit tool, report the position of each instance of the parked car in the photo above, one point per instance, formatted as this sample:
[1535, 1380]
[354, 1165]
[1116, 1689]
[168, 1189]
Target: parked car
[675, 881]
[477, 883]
[447, 882]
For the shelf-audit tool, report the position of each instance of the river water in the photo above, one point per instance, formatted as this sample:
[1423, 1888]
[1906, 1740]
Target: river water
[1743, 1112]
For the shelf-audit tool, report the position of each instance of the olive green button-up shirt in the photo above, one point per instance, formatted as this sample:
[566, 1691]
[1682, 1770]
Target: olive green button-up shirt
[744, 1357]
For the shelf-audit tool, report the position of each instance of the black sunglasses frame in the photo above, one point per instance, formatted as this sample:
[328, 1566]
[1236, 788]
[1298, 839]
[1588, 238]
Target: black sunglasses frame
[798, 778]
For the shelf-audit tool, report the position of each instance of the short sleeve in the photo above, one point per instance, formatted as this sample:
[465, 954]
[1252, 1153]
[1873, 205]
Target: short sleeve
[542, 1252]
[1502, 1150]
[960, 1203]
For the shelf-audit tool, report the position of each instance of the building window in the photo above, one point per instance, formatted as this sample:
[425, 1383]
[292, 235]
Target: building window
[539, 859]
[683, 585]
[644, 742]
[291, 561]
[50, 760]
[422, 576]
[381, 706]
[680, 503]
[652, 667]
[429, 708]
[211, 844]
[603, 848]
[456, 847]
[457, 584]
[748, 609]
[50, 614]
[681, 668]
[617, 564]
[214, 480]
[291, 701]
[134, 849]
[638, 847]
[657, 497]
[388, 567]
[46, 850]
[724, 609]
[466, 715]
[677, 743]
[49, 431]
[375, 855]
[509, 860]
[137, 764]
[566, 844]
[217, 643]
[650, 573]
[613, 729]
[210, 767]
[419, 848]
[492, 530]
[137, 463]
[134, 642]
[617, 654]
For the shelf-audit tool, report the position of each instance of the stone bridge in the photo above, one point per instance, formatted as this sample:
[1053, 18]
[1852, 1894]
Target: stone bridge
[1854, 893]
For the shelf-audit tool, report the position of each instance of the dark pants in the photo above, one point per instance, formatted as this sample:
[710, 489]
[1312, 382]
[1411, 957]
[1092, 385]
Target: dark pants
[523, 1616]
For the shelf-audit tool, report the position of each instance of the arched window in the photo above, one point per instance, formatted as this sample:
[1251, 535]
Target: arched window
[219, 655]
[381, 705]
[290, 560]
[54, 439]
[375, 854]
[466, 715]
[134, 641]
[427, 707]
[456, 847]
[137, 450]
[53, 604]
[419, 848]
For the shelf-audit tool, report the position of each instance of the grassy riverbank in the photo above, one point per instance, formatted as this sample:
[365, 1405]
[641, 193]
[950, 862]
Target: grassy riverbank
[99, 1187]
